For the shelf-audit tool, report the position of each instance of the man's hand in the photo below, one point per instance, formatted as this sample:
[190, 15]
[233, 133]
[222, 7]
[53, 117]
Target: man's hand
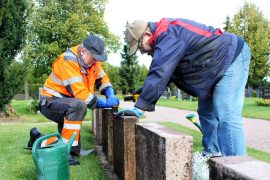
[112, 101]
[101, 103]
[130, 112]
[107, 103]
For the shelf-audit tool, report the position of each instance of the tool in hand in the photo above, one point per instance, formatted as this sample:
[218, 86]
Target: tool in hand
[191, 118]
[132, 97]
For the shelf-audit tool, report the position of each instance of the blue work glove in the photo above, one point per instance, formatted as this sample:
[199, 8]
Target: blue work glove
[108, 92]
[101, 103]
[130, 112]
[111, 99]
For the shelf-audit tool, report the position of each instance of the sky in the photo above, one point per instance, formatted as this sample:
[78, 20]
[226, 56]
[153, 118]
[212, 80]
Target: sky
[209, 12]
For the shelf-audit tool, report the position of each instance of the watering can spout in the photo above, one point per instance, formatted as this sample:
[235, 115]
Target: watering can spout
[69, 144]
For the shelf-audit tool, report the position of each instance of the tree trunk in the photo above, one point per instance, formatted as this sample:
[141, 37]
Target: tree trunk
[26, 90]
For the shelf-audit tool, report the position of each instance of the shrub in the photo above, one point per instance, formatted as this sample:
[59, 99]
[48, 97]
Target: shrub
[263, 102]
[173, 98]
[32, 106]
[254, 94]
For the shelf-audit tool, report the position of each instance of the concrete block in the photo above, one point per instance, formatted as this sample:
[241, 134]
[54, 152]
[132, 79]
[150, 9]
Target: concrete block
[94, 121]
[162, 153]
[107, 133]
[124, 147]
[238, 168]
[99, 139]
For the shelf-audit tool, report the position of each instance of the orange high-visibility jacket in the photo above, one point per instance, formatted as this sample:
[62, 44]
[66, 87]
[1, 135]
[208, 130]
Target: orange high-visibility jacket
[69, 79]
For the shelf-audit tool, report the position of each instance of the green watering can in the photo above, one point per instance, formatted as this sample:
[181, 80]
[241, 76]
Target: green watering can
[52, 161]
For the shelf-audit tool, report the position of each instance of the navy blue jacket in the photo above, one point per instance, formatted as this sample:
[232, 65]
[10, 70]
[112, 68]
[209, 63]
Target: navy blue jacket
[191, 55]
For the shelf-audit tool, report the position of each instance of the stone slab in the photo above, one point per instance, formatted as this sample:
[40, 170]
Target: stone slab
[107, 133]
[124, 147]
[99, 139]
[162, 153]
[94, 121]
[238, 168]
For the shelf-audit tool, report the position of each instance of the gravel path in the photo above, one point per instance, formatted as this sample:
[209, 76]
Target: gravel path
[257, 131]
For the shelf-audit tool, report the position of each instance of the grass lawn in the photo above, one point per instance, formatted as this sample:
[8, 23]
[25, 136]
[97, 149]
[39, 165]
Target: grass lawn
[250, 109]
[197, 136]
[17, 163]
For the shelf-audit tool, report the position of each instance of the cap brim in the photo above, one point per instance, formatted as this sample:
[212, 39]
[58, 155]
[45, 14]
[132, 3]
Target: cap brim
[102, 57]
[133, 49]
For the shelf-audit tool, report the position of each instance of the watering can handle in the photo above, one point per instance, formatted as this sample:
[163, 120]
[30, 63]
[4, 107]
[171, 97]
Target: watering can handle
[39, 141]
[69, 144]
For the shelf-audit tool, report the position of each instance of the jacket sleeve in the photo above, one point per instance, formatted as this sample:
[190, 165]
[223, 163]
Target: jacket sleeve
[102, 81]
[74, 84]
[168, 51]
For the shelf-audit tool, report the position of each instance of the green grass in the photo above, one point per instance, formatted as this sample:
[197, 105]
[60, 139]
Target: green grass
[17, 163]
[250, 109]
[197, 136]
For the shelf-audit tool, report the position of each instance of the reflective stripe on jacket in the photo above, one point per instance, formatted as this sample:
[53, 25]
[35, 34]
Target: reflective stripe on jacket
[69, 79]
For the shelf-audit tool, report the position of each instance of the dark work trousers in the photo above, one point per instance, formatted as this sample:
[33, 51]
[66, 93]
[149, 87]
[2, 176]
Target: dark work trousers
[68, 113]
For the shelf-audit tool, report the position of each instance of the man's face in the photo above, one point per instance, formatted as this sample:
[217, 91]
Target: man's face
[144, 45]
[88, 59]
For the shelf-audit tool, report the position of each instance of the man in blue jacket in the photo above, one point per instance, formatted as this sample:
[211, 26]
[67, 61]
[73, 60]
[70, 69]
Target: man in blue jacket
[204, 62]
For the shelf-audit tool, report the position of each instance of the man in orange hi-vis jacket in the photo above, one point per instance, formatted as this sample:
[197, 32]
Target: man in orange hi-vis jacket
[69, 90]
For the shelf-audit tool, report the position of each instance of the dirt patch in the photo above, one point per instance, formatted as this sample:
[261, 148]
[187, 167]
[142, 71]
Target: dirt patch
[7, 119]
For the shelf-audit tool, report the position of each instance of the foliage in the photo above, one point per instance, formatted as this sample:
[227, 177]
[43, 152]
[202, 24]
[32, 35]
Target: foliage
[13, 15]
[129, 72]
[55, 25]
[143, 74]
[263, 102]
[32, 106]
[250, 24]
[113, 73]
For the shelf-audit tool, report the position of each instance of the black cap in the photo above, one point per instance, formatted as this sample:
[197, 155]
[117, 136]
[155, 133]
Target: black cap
[95, 46]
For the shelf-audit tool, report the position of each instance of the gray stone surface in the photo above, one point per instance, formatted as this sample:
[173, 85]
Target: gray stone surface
[99, 139]
[107, 133]
[124, 147]
[238, 168]
[162, 153]
[94, 121]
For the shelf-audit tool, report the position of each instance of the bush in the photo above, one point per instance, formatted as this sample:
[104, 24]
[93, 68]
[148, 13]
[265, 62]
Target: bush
[263, 102]
[32, 106]
[173, 98]
[254, 94]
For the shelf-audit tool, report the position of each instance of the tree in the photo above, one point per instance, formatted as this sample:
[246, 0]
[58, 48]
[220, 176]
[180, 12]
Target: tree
[129, 71]
[13, 15]
[250, 24]
[227, 23]
[55, 25]
[143, 74]
[113, 73]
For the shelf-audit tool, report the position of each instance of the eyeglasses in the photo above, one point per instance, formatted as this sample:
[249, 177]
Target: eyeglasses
[140, 43]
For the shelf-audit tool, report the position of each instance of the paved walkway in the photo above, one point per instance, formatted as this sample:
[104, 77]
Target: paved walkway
[257, 131]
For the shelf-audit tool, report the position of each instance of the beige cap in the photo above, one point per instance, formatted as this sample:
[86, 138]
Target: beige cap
[133, 33]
